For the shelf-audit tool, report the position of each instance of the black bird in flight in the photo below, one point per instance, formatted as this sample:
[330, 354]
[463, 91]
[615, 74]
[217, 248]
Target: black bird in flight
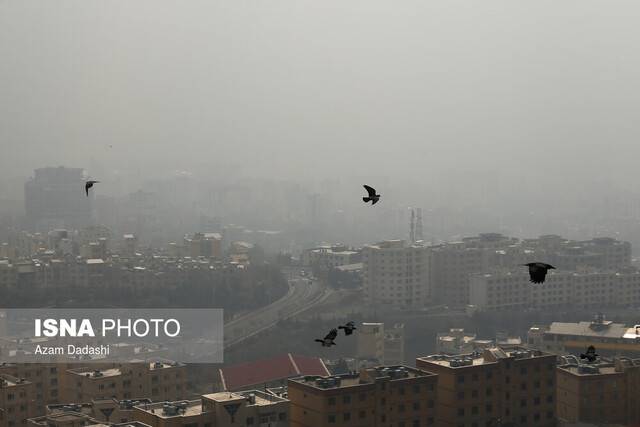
[88, 185]
[348, 328]
[538, 271]
[373, 197]
[328, 340]
[590, 355]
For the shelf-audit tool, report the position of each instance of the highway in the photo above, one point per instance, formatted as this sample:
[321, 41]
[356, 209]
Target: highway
[302, 295]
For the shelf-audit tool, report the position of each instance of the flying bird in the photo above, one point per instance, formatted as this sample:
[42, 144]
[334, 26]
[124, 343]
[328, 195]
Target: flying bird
[88, 185]
[590, 355]
[538, 271]
[348, 328]
[327, 341]
[373, 197]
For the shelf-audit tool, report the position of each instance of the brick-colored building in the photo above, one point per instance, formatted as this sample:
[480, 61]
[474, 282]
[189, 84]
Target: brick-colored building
[499, 385]
[605, 392]
[382, 396]
[17, 401]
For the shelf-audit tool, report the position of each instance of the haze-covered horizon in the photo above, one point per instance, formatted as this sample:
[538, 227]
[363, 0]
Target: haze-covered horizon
[505, 108]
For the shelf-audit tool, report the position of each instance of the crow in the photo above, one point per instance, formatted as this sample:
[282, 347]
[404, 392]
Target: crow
[328, 340]
[373, 197]
[538, 271]
[348, 328]
[590, 355]
[88, 185]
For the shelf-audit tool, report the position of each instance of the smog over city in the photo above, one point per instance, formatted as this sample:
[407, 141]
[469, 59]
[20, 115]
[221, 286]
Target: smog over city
[310, 199]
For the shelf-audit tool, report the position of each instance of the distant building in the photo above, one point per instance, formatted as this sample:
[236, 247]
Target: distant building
[587, 289]
[513, 386]
[610, 338]
[394, 345]
[374, 397]
[599, 393]
[370, 342]
[55, 198]
[270, 372]
[225, 409]
[208, 245]
[396, 274]
[330, 256]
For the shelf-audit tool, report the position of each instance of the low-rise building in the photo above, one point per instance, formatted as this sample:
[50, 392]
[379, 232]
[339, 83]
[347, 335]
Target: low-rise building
[610, 338]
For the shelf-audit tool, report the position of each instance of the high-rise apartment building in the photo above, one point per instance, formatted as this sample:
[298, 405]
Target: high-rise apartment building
[382, 396]
[508, 386]
[396, 274]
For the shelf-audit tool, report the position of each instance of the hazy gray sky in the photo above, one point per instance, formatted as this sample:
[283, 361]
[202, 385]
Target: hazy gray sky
[515, 91]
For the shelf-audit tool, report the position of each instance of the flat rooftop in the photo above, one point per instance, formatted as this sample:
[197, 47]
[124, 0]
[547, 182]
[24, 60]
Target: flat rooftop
[261, 398]
[183, 408]
[485, 357]
[365, 376]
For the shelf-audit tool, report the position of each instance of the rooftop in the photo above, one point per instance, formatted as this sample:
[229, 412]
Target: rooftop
[365, 376]
[488, 356]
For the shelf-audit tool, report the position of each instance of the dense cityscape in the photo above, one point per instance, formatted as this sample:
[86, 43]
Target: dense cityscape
[450, 333]
[299, 213]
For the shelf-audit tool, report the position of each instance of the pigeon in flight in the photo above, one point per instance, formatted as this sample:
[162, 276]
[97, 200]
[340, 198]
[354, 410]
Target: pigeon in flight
[373, 197]
[328, 340]
[538, 271]
[88, 185]
[590, 355]
[348, 328]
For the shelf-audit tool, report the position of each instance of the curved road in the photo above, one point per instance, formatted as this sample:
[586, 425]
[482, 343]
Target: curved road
[302, 295]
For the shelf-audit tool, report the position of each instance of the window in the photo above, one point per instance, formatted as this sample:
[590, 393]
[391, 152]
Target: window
[489, 391]
[536, 417]
[416, 406]
[332, 401]
[416, 389]
[249, 421]
[460, 379]
[536, 401]
[346, 416]
[331, 419]
[362, 414]
[363, 397]
[461, 412]
[488, 407]
[523, 403]
[430, 421]
[346, 398]
[430, 403]
[474, 377]
[549, 399]
[474, 393]
[416, 423]
[401, 407]
[461, 395]
[523, 370]
[474, 410]
[523, 419]
[282, 416]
